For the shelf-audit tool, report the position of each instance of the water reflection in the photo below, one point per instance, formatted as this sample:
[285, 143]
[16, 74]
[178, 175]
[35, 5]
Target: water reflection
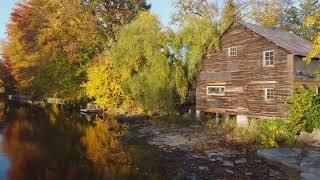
[104, 147]
[52, 144]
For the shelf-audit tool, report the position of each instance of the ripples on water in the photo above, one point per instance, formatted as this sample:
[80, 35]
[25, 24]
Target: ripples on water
[49, 143]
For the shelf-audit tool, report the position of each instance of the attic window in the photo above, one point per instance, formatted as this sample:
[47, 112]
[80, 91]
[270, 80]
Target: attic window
[233, 51]
[268, 58]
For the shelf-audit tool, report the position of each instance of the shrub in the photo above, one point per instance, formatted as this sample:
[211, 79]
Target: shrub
[268, 133]
[304, 111]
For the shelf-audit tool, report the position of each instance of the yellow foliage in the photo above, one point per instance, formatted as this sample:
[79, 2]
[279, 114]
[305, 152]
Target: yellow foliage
[314, 21]
[104, 85]
[2, 90]
[267, 13]
[102, 142]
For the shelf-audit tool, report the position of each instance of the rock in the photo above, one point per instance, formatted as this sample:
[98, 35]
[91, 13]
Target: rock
[203, 168]
[228, 163]
[311, 163]
[274, 173]
[241, 161]
[285, 156]
[312, 139]
[307, 176]
[258, 161]
[213, 160]
[219, 158]
[229, 171]
[248, 173]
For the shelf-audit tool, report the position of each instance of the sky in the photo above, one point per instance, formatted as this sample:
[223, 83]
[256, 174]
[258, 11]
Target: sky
[5, 10]
[162, 8]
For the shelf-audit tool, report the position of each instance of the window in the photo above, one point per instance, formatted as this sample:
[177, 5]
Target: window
[269, 93]
[233, 51]
[215, 90]
[268, 58]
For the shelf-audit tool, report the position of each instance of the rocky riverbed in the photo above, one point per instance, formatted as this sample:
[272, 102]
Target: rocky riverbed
[208, 153]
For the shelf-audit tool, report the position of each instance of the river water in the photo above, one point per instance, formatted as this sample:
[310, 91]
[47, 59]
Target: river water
[50, 143]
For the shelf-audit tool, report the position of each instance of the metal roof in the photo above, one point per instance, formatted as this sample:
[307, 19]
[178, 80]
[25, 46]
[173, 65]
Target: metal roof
[287, 40]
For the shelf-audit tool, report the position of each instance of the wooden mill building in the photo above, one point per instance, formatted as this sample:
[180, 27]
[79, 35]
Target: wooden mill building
[254, 72]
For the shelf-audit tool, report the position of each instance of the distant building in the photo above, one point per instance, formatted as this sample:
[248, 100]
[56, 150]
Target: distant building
[254, 72]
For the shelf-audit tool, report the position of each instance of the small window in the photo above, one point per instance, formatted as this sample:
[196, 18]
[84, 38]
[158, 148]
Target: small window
[268, 58]
[233, 51]
[215, 90]
[269, 93]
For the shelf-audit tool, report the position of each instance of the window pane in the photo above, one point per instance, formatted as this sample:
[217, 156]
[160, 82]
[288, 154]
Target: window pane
[215, 90]
[269, 94]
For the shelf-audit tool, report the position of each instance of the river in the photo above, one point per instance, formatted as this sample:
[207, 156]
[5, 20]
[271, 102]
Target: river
[51, 143]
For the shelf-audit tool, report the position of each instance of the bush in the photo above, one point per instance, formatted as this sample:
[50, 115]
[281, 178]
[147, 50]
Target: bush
[304, 111]
[268, 133]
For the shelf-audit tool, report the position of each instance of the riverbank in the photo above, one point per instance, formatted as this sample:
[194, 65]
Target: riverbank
[210, 153]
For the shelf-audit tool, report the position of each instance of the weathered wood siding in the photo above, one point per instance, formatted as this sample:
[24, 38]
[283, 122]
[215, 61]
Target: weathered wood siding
[245, 76]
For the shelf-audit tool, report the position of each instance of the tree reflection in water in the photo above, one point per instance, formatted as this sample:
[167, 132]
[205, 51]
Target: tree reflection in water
[52, 144]
[45, 144]
[105, 148]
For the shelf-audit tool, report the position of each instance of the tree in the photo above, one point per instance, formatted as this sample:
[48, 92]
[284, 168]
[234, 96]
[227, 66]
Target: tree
[139, 68]
[104, 85]
[309, 8]
[287, 14]
[142, 56]
[314, 21]
[229, 15]
[52, 43]
[194, 8]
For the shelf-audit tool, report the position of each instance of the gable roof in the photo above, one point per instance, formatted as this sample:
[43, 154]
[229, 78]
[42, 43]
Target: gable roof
[287, 40]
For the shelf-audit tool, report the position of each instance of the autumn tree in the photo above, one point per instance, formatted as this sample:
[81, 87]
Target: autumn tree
[229, 15]
[286, 14]
[140, 68]
[51, 43]
[311, 22]
[105, 86]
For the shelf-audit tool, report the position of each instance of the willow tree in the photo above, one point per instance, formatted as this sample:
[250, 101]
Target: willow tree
[139, 69]
[200, 24]
[142, 55]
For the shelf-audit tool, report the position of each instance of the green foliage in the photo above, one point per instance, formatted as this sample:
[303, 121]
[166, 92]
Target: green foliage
[304, 111]
[52, 43]
[194, 9]
[289, 15]
[138, 68]
[314, 21]
[268, 133]
[229, 15]
[194, 40]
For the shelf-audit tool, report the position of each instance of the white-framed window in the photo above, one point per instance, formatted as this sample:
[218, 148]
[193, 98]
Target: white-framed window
[233, 51]
[268, 58]
[269, 94]
[215, 90]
